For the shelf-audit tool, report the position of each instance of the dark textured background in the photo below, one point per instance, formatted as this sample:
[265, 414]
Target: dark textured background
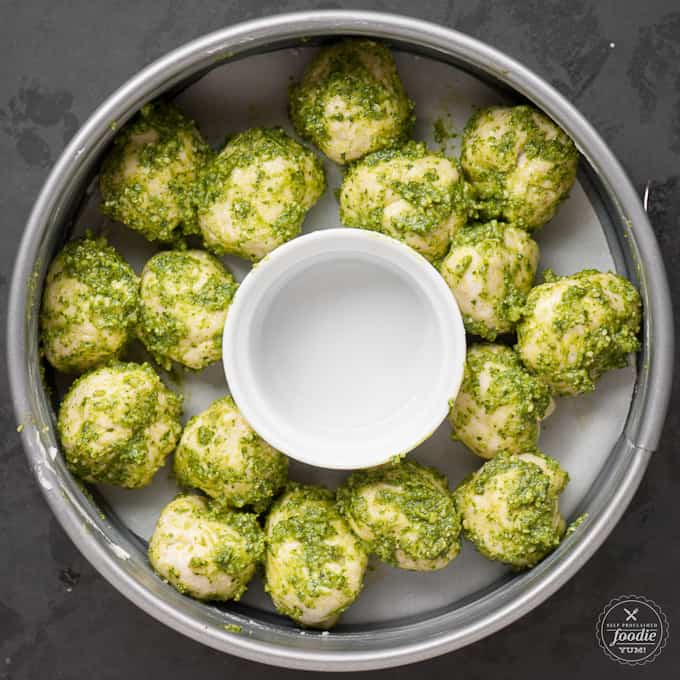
[617, 60]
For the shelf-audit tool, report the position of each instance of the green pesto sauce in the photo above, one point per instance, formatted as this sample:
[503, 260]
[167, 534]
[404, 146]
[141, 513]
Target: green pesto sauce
[519, 135]
[129, 198]
[231, 559]
[340, 72]
[418, 494]
[307, 516]
[510, 384]
[171, 279]
[85, 490]
[444, 131]
[573, 527]
[530, 502]
[254, 483]
[603, 346]
[110, 303]
[127, 462]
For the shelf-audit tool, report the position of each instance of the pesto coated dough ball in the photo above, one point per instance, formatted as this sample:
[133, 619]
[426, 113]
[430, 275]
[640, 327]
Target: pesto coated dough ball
[256, 193]
[575, 328]
[510, 508]
[314, 564]
[521, 164]
[500, 404]
[490, 269]
[351, 101]
[148, 179]
[409, 193]
[404, 514]
[89, 306]
[185, 297]
[206, 553]
[118, 423]
[223, 456]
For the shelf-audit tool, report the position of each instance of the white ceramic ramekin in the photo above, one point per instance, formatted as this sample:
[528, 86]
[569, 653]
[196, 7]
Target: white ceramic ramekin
[343, 348]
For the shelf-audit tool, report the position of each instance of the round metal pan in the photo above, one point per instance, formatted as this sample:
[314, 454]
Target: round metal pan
[121, 557]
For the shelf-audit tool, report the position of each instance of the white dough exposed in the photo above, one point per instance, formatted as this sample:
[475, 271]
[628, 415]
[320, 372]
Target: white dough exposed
[222, 455]
[89, 306]
[409, 193]
[575, 328]
[351, 101]
[118, 423]
[314, 564]
[205, 554]
[490, 269]
[521, 164]
[510, 508]
[148, 178]
[500, 404]
[257, 192]
[404, 514]
[185, 297]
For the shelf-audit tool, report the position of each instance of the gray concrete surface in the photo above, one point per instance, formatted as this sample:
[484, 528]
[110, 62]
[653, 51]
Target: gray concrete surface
[617, 60]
